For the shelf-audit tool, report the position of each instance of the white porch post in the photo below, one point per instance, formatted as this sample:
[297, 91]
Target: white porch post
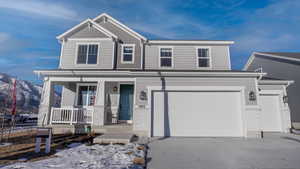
[46, 103]
[98, 113]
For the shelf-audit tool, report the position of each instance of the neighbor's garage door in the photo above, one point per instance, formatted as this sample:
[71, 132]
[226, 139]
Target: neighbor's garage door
[195, 113]
[270, 114]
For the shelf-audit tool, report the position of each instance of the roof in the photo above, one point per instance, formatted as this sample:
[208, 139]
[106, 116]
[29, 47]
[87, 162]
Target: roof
[295, 55]
[218, 42]
[279, 56]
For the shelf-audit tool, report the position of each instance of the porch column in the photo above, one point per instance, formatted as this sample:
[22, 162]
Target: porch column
[46, 103]
[98, 114]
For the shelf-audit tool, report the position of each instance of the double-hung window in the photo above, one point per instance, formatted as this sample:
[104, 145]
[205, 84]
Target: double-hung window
[166, 54]
[128, 53]
[203, 57]
[86, 95]
[87, 54]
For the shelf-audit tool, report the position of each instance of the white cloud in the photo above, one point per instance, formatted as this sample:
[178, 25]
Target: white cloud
[50, 9]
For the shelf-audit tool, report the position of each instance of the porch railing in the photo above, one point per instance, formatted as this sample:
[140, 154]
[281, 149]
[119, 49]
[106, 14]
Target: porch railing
[71, 115]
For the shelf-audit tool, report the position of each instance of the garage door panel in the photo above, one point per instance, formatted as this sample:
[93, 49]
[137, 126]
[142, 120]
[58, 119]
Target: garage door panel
[197, 113]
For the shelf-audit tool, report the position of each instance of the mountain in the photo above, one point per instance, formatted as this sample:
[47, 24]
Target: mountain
[28, 95]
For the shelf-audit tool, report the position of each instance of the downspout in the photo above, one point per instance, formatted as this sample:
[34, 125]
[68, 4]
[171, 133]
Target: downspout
[115, 54]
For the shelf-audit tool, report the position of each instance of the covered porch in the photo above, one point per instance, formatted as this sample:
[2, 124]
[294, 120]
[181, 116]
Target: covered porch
[95, 102]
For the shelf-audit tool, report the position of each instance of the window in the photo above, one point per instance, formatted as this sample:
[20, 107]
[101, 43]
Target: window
[86, 95]
[165, 57]
[128, 53]
[203, 58]
[87, 54]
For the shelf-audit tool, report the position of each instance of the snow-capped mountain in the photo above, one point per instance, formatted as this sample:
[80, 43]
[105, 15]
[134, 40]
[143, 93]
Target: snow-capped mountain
[28, 95]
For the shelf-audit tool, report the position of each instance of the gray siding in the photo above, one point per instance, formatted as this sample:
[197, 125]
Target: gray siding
[125, 38]
[105, 55]
[68, 94]
[86, 32]
[287, 71]
[185, 57]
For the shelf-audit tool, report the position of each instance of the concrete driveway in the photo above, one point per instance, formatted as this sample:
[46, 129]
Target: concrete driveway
[276, 151]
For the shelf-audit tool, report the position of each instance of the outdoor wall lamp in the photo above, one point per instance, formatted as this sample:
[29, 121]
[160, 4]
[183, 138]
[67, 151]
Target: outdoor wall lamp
[252, 96]
[115, 89]
[285, 99]
[143, 95]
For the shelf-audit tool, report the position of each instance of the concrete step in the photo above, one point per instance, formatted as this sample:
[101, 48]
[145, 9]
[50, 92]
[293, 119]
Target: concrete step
[114, 138]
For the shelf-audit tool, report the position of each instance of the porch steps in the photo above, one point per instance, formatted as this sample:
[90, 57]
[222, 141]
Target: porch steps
[114, 138]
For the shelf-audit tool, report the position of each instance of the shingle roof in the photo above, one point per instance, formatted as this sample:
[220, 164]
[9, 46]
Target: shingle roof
[294, 55]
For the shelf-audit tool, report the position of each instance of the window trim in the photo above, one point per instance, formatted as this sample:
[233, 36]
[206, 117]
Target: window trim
[209, 57]
[122, 53]
[77, 92]
[87, 43]
[159, 57]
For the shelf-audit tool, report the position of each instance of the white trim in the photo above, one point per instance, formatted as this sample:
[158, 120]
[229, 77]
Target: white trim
[87, 43]
[142, 54]
[240, 89]
[275, 82]
[159, 57]
[89, 39]
[97, 26]
[250, 60]
[120, 25]
[61, 53]
[209, 57]
[122, 53]
[127, 73]
[190, 42]
[229, 58]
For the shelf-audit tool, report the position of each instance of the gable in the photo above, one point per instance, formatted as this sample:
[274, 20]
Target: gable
[87, 32]
[104, 18]
[87, 29]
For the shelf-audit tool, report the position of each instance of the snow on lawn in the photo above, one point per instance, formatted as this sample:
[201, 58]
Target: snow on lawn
[89, 157]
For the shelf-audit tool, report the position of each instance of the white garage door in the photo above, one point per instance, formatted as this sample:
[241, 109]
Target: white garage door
[270, 115]
[184, 113]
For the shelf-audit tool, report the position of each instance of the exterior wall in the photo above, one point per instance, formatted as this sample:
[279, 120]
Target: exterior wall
[86, 32]
[185, 57]
[105, 55]
[68, 94]
[142, 112]
[283, 70]
[125, 38]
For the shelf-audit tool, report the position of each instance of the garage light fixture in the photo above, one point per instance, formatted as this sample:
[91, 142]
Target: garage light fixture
[252, 96]
[285, 99]
[143, 95]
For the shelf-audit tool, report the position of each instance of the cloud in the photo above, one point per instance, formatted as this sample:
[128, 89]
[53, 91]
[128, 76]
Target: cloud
[49, 9]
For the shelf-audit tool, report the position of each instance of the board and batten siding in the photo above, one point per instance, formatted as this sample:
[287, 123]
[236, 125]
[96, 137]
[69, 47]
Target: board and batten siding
[104, 60]
[185, 57]
[125, 38]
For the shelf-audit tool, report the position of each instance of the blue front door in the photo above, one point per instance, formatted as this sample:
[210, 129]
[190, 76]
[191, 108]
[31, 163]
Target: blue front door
[126, 102]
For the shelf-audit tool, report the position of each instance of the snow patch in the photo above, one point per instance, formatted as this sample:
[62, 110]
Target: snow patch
[92, 157]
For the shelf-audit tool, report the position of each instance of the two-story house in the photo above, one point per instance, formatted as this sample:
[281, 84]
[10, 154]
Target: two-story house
[113, 77]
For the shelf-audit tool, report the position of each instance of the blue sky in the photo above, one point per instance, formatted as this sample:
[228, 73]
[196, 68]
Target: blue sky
[29, 27]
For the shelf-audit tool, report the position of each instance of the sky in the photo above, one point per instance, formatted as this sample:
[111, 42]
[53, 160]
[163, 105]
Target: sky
[29, 28]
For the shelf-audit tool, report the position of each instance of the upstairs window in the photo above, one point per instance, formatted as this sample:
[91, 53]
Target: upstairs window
[87, 54]
[203, 57]
[128, 53]
[166, 57]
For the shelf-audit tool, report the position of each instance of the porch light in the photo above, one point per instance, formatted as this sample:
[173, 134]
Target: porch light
[115, 89]
[143, 95]
[285, 99]
[252, 96]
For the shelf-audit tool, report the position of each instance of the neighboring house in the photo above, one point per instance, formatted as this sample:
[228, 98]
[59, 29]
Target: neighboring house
[281, 65]
[115, 78]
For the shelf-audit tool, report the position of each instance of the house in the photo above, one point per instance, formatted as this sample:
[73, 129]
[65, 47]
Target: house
[115, 78]
[282, 65]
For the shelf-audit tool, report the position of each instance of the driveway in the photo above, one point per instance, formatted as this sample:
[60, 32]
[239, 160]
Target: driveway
[275, 151]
